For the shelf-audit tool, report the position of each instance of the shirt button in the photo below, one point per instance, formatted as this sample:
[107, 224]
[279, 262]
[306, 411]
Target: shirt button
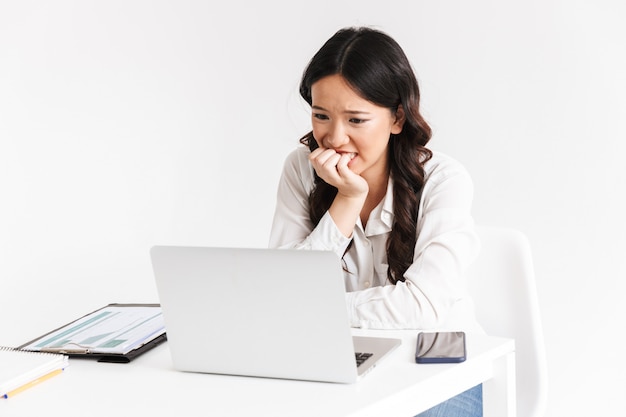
[366, 284]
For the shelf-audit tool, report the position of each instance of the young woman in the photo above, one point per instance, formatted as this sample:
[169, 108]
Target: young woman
[366, 187]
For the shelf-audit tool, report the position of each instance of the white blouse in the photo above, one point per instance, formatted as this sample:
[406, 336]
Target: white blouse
[434, 294]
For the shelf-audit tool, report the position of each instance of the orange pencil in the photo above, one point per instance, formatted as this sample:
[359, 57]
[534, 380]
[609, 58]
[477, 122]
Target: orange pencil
[32, 383]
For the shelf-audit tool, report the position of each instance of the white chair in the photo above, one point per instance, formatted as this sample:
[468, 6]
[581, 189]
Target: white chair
[502, 282]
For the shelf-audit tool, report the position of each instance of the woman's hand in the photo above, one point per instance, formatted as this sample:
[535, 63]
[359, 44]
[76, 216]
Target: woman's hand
[352, 188]
[333, 168]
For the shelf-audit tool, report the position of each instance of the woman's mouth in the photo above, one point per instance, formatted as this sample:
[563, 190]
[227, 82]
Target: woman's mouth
[351, 155]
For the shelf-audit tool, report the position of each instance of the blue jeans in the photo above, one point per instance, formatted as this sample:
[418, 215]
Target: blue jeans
[466, 404]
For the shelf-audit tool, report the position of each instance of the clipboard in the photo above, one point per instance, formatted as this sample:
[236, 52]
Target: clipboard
[116, 333]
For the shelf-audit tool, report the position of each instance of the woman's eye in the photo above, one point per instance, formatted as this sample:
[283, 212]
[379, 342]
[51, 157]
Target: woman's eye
[357, 121]
[320, 116]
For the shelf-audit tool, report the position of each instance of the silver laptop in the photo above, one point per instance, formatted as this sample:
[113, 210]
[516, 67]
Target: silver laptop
[273, 313]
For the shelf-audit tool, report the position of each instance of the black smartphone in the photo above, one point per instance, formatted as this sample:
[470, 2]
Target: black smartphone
[440, 347]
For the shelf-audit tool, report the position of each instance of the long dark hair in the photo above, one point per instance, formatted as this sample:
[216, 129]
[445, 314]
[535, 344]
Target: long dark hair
[375, 66]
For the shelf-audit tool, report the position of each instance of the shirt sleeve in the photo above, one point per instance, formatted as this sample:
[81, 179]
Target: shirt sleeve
[291, 226]
[434, 290]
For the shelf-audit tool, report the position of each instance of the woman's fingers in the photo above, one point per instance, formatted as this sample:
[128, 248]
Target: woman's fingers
[333, 168]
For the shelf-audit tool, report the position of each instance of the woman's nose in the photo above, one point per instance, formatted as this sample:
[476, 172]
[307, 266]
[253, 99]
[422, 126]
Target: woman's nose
[336, 136]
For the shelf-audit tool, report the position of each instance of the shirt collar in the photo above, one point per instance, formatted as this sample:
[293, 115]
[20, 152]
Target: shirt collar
[381, 218]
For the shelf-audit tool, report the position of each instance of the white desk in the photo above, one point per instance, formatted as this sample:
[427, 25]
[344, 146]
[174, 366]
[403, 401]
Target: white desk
[149, 386]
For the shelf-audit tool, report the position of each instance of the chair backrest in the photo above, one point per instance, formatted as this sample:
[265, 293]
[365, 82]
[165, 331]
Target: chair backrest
[502, 283]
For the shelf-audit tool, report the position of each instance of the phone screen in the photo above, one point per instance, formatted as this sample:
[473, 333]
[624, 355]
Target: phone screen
[440, 347]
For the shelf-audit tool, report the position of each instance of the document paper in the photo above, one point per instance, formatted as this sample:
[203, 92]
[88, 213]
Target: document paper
[112, 329]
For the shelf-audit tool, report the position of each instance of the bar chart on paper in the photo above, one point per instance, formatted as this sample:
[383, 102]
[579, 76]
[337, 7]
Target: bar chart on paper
[112, 329]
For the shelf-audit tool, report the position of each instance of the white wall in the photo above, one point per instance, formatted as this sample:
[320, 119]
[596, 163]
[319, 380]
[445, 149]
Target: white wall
[125, 124]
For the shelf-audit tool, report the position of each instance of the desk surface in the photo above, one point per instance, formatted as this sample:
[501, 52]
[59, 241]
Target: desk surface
[150, 386]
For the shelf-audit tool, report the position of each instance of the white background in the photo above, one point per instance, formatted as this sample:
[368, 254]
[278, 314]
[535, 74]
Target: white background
[125, 124]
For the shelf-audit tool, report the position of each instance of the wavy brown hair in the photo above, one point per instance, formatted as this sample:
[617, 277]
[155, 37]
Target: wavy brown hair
[376, 67]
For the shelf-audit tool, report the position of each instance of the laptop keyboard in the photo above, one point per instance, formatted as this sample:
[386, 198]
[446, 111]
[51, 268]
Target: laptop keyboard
[362, 357]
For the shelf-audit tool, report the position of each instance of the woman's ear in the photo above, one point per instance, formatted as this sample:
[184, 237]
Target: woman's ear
[399, 123]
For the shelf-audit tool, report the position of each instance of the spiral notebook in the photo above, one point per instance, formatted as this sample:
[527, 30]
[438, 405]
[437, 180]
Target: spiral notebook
[20, 369]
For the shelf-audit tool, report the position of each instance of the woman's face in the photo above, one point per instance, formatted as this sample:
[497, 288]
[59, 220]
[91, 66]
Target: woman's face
[347, 123]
